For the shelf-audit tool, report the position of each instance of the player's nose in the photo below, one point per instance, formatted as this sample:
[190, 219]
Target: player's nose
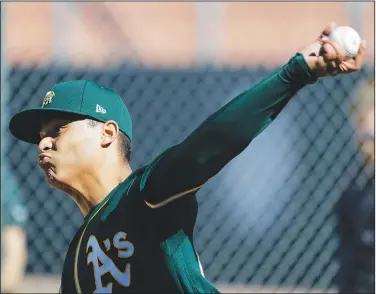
[45, 144]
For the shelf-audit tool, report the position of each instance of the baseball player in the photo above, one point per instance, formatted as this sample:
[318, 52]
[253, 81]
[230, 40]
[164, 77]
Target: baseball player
[13, 235]
[138, 230]
[13, 215]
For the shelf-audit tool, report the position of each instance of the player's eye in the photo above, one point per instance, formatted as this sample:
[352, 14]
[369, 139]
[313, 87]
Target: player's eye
[54, 132]
[58, 129]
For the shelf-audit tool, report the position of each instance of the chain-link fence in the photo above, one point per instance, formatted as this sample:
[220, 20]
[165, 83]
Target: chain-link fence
[266, 219]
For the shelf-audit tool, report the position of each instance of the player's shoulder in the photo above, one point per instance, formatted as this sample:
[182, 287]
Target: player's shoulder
[133, 186]
[146, 171]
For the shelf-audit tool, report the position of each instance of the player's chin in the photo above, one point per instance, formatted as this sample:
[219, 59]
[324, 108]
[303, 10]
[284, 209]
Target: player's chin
[55, 183]
[51, 177]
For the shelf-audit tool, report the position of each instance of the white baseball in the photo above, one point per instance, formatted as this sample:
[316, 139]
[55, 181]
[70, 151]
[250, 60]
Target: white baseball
[348, 39]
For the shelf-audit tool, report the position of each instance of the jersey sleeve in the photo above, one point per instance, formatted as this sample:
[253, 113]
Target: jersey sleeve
[185, 168]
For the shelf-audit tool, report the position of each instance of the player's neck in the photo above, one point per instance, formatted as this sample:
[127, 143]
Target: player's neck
[91, 188]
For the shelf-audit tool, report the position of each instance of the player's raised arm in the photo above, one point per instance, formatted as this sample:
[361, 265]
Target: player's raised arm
[185, 167]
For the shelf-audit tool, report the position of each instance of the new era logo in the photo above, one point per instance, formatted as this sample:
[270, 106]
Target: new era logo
[100, 109]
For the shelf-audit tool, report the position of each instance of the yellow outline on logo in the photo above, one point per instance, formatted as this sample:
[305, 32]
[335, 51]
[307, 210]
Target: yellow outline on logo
[48, 98]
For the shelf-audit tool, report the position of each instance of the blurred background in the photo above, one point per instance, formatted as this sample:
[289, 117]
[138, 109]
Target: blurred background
[269, 221]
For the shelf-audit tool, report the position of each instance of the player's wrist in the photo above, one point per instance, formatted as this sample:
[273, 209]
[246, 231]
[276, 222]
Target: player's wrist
[311, 62]
[302, 70]
[316, 65]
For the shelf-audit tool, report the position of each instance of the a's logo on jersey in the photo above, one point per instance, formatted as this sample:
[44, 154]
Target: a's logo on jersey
[102, 264]
[48, 98]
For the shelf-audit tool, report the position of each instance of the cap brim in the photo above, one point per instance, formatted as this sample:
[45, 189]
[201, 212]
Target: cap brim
[26, 125]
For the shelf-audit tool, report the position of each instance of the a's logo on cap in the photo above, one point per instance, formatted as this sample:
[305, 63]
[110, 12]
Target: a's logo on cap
[48, 98]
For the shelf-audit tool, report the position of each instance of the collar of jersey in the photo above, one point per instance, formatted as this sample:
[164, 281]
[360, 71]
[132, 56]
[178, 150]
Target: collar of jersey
[99, 205]
[105, 200]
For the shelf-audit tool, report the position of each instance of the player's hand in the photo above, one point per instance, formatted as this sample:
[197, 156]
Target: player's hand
[327, 58]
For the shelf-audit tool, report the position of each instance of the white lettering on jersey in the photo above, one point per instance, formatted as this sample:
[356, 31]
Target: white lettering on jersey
[102, 264]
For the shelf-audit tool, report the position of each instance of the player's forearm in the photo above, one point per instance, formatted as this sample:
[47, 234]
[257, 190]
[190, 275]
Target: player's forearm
[229, 131]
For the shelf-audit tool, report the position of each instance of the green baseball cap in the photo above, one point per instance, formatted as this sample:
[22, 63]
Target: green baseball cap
[82, 98]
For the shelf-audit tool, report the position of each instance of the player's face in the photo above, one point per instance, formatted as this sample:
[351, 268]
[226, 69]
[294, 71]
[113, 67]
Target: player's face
[69, 150]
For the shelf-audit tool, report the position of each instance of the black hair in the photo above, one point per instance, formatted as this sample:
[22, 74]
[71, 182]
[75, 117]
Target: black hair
[124, 142]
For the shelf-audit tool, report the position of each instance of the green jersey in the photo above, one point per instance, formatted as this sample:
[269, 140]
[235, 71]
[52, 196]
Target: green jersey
[125, 244]
[140, 237]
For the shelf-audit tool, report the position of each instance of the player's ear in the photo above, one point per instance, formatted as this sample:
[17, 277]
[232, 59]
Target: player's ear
[109, 133]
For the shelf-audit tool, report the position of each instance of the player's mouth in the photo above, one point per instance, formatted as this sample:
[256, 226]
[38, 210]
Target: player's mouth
[44, 162]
